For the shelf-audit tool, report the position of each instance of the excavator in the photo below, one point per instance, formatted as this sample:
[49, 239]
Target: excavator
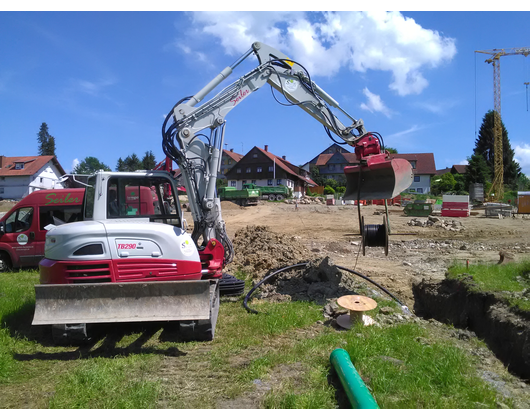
[131, 258]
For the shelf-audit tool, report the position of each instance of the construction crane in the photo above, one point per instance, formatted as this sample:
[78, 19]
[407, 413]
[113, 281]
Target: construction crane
[497, 186]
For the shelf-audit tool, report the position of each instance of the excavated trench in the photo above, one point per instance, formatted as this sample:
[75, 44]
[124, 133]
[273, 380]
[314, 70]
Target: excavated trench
[506, 332]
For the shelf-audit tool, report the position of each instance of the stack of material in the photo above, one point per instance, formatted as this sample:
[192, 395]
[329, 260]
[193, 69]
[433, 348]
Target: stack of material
[455, 206]
[498, 210]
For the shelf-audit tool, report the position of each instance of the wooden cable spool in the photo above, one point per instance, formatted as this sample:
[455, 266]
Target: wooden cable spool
[357, 305]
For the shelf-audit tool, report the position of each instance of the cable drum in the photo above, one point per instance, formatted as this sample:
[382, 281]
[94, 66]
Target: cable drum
[375, 235]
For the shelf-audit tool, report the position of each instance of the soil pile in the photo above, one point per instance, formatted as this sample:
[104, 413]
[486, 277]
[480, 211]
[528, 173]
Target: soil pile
[259, 251]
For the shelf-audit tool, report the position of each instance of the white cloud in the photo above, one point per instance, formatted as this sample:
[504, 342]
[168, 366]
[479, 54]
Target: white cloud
[375, 104]
[75, 162]
[92, 88]
[325, 42]
[463, 162]
[522, 156]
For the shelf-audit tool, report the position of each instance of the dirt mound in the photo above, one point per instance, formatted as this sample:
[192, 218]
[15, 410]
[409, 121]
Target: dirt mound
[229, 205]
[320, 281]
[259, 251]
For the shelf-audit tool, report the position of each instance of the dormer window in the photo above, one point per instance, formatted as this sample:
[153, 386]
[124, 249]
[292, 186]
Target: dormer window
[413, 164]
[19, 165]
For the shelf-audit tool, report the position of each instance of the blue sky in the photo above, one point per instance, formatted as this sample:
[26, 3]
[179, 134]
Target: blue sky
[104, 81]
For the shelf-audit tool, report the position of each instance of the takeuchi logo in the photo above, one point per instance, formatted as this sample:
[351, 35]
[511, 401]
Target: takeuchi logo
[54, 198]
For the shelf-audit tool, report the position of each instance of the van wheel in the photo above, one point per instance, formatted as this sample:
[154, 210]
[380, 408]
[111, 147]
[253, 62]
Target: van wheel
[5, 262]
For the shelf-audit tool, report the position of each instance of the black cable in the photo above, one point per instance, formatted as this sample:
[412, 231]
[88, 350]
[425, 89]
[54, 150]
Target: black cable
[249, 294]
[245, 301]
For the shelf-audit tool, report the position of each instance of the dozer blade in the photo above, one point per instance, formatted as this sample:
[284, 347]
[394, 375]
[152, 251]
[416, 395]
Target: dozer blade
[377, 180]
[125, 302]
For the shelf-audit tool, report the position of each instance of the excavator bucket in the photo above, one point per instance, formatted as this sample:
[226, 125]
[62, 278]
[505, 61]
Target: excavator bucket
[185, 300]
[378, 179]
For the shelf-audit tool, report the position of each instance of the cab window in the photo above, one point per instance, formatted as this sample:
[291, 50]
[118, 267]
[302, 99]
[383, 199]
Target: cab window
[141, 197]
[20, 220]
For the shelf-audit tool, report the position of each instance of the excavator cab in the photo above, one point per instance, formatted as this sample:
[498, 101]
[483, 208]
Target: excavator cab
[377, 176]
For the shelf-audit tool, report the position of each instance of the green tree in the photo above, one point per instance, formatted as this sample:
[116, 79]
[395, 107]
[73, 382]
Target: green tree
[391, 150]
[148, 161]
[46, 141]
[315, 175]
[120, 166]
[484, 146]
[90, 165]
[132, 163]
[478, 170]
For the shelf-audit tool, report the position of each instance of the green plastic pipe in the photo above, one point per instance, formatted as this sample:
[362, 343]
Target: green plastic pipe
[357, 392]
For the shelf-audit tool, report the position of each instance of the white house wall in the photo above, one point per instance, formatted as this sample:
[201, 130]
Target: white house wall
[46, 179]
[424, 184]
[17, 187]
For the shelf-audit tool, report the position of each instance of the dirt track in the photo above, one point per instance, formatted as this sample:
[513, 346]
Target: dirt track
[415, 252]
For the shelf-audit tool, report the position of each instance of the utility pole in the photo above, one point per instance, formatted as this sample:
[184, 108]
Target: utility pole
[497, 186]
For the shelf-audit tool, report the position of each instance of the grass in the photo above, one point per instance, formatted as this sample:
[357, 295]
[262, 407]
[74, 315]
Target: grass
[509, 280]
[285, 348]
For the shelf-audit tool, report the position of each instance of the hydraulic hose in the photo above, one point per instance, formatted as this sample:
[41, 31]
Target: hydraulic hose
[404, 308]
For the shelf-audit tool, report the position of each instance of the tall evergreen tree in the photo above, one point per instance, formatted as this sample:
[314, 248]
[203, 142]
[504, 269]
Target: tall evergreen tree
[478, 170]
[46, 142]
[484, 146]
[149, 160]
[120, 166]
[132, 163]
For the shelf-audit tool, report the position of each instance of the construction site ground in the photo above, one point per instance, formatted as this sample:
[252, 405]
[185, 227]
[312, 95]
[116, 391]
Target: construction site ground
[415, 252]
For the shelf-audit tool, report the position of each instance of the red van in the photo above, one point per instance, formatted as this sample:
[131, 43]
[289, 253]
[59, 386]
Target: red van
[22, 229]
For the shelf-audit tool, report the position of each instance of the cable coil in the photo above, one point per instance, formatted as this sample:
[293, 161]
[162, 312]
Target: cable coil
[375, 235]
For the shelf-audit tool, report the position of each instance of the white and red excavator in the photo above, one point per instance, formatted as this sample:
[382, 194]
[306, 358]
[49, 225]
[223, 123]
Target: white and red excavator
[131, 258]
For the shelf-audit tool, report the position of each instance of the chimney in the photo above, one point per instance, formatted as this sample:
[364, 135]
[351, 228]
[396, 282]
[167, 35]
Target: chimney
[266, 147]
[231, 150]
[283, 157]
[2, 161]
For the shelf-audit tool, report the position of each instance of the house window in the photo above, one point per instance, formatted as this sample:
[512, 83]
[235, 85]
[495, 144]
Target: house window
[419, 190]
[278, 182]
[269, 181]
[253, 181]
[258, 169]
[238, 170]
[41, 180]
[271, 168]
[255, 155]
[413, 164]
[248, 170]
[19, 165]
[331, 166]
[244, 181]
[416, 178]
[1, 190]
[232, 183]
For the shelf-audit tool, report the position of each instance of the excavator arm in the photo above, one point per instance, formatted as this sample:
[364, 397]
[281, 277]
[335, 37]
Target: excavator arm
[199, 154]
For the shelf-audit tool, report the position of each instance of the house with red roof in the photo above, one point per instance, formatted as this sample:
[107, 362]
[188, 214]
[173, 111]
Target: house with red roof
[261, 167]
[21, 175]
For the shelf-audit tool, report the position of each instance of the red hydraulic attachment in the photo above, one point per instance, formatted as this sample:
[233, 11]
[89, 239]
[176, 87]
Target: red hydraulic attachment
[212, 259]
[377, 176]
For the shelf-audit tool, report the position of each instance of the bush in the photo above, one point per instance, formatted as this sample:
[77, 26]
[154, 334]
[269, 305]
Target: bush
[329, 190]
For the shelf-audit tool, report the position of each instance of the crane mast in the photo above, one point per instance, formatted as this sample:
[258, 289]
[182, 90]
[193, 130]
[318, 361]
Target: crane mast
[497, 186]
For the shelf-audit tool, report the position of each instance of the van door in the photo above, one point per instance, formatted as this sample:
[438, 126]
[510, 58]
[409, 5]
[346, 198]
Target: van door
[20, 233]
